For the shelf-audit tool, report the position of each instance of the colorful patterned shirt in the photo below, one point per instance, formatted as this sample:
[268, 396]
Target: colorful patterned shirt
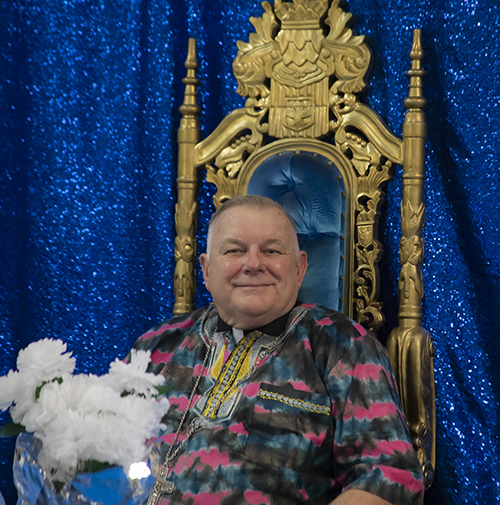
[296, 418]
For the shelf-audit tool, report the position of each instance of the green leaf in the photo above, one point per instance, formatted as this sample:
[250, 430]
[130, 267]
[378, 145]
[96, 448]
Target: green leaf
[39, 388]
[58, 485]
[163, 389]
[11, 430]
[94, 466]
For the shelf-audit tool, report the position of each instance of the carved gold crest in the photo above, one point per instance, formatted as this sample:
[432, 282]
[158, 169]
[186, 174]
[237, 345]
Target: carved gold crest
[301, 60]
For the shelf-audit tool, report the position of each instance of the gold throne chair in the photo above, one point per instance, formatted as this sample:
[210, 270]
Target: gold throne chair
[306, 140]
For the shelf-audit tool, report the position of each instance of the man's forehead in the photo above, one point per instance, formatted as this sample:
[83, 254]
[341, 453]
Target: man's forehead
[252, 215]
[229, 239]
[268, 223]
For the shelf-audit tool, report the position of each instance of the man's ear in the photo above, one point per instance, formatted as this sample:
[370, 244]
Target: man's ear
[205, 263]
[301, 266]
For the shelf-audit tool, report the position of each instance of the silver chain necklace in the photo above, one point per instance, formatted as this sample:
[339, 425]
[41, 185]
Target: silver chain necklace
[162, 485]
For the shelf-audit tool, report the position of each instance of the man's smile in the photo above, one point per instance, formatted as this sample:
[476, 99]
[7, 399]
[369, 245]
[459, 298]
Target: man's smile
[261, 285]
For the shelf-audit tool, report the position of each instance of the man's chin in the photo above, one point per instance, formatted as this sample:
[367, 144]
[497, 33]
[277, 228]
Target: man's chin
[253, 313]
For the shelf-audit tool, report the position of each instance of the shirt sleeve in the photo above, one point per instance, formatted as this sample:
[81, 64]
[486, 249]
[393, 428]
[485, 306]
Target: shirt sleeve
[372, 445]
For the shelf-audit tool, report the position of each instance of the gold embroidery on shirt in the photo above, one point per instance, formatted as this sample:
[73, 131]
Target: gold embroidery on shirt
[294, 402]
[235, 368]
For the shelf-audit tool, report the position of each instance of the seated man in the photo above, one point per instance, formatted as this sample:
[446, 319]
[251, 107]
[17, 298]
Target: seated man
[274, 401]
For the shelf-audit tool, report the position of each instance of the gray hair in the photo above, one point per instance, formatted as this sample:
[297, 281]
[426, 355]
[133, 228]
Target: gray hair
[256, 201]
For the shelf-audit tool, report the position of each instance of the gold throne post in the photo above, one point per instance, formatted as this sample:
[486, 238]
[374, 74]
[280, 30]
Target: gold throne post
[304, 125]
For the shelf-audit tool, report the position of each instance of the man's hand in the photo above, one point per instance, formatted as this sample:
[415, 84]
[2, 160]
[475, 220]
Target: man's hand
[355, 497]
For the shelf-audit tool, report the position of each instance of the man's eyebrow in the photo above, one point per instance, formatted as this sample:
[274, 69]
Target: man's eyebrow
[274, 241]
[232, 241]
[269, 242]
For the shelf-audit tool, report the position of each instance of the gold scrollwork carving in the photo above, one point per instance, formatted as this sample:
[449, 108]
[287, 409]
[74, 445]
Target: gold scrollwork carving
[411, 251]
[185, 251]
[368, 309]
[224, 173]
[342, 104]
[248, 67]
[226, 186]
[233, 156]
[412, 352]
[365, 154]
[372, 173]
[352, 55]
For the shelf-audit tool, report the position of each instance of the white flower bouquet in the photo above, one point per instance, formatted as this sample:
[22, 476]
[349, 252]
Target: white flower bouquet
[85, 423]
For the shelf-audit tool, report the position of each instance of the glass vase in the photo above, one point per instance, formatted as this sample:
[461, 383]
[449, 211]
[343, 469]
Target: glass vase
[107, 487]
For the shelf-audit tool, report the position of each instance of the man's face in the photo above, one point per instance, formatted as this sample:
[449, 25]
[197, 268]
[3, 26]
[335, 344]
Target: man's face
[255, 271]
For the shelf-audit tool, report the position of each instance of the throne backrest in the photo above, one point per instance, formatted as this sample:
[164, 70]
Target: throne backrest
[306, 140]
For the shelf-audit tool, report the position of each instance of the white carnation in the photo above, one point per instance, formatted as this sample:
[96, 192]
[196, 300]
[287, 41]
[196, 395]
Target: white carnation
[132, 377]
[56, 398]
[62, 444]
[24, 396]
[10, 387]
[45, 360]
[99, 398]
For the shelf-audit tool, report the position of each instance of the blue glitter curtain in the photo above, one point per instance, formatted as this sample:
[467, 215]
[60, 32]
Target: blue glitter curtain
[89, 97]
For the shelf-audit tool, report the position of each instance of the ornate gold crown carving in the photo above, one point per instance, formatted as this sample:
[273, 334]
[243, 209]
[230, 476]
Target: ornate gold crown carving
[337, 53]
[300, 13]
[299, 65]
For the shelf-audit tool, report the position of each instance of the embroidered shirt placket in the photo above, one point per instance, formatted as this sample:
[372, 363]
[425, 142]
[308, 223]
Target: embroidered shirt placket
[230, 376]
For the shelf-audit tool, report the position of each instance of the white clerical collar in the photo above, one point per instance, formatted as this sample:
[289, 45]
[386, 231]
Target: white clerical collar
[238, 334]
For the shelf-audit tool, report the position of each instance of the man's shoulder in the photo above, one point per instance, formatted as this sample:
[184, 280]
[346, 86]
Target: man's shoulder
[329, 327]
[333, 320]
[180, 322]
[171, 332]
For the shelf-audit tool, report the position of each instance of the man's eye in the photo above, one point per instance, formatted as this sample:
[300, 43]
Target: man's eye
[233, 251]
[272, 252]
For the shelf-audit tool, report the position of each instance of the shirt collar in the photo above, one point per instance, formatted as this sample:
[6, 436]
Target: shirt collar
[274, 328]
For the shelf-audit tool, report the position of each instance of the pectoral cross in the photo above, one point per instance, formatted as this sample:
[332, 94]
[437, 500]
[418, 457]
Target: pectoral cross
[161, 486]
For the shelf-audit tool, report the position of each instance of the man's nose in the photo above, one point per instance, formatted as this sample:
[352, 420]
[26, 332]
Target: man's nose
[253, 261]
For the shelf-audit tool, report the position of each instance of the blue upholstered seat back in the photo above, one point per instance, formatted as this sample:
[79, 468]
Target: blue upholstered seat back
[311, 189]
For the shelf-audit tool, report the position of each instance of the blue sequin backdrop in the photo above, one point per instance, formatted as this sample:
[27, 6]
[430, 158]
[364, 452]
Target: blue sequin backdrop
[89, 97]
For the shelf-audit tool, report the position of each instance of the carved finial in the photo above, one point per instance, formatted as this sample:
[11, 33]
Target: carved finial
[191, 60]
[415, 98]
[417, 53]
[190, 106]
